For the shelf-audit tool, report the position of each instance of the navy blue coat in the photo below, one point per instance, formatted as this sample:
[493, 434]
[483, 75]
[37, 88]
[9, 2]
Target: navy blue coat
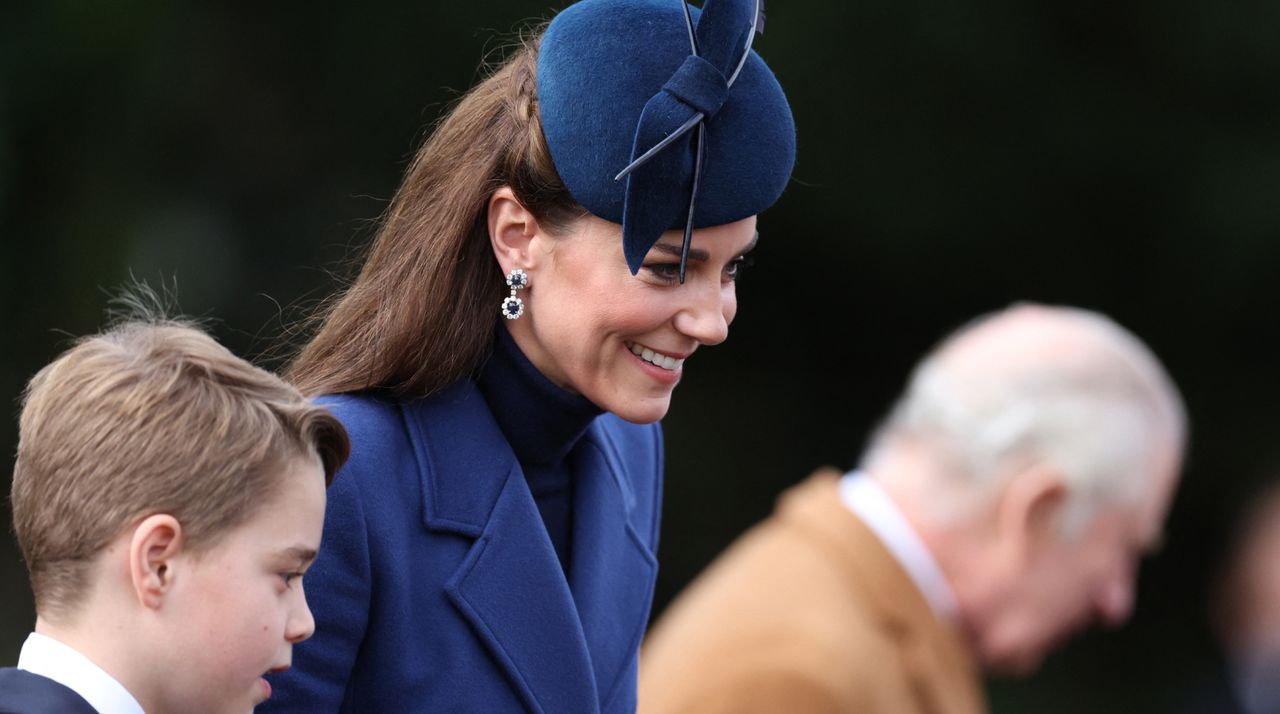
[437, 588]
[22, 692]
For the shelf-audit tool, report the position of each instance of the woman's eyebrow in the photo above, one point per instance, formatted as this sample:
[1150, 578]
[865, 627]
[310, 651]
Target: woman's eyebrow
[695, 254]
[700, 255]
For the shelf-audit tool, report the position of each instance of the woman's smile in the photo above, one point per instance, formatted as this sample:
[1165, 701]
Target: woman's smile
[662, 368]
[618, 339]
[669, 362]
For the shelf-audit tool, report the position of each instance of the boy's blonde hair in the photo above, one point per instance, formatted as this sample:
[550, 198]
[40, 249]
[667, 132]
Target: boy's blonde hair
[151, 416]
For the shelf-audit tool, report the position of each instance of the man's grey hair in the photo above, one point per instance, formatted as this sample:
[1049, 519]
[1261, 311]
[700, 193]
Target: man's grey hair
[1097, 413]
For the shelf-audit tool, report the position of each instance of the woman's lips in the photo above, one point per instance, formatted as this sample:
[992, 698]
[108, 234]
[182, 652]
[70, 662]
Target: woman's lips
[665, 361]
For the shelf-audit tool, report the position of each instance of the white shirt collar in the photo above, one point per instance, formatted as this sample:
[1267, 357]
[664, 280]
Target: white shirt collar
[50, 658]
[862, 495]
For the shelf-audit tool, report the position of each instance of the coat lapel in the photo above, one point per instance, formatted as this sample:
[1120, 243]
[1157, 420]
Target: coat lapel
[510, 587]
[943, 674]
[612, 570]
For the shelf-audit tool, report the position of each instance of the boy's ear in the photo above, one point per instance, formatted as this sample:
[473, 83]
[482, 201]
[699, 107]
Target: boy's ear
[1030, 511]
[156, 543]
[512, 228]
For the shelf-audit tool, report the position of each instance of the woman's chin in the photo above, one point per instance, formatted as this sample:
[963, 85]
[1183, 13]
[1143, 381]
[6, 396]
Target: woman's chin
[645, 410]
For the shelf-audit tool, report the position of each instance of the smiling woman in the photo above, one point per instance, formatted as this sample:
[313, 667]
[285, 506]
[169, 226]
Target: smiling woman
[619, 341]
[490, 545]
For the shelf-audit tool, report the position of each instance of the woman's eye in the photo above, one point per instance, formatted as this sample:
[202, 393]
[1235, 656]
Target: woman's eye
[734, 269]
[664, 271]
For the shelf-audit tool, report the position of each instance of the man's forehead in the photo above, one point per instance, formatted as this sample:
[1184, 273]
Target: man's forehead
[1146, 520]
[1168, 475]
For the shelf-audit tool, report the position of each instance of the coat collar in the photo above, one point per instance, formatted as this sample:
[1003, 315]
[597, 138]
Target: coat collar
[23, 691]
[563, 649]
[942, 669]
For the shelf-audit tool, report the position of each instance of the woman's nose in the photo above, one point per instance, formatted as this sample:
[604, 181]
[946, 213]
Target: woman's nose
[707, 315]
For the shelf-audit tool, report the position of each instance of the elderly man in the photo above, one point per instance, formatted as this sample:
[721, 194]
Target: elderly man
[1002, 506]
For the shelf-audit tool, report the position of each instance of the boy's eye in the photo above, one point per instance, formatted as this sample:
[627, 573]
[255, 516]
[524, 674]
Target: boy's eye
[290, 577]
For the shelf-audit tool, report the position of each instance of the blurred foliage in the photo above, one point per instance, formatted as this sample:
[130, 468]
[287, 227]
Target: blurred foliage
[954, 157]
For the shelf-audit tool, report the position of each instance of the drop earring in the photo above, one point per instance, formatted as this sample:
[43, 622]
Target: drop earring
[513, 307]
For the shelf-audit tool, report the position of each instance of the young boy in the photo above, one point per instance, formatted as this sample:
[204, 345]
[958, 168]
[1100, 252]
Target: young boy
[168, 496]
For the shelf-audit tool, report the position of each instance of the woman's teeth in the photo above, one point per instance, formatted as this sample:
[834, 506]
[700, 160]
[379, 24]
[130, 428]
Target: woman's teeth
[655, 358]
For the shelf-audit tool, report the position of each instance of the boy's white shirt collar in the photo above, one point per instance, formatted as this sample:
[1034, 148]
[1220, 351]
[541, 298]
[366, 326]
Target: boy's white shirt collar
[50, 658]
[862, 495]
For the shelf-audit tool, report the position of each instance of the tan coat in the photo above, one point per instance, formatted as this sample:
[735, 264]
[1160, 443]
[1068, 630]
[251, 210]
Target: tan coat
[807, 612]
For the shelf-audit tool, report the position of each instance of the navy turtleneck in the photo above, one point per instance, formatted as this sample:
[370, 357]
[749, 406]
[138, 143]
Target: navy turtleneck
[543, 423]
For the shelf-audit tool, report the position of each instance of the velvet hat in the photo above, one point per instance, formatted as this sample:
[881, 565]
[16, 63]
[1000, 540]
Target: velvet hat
[660, 116]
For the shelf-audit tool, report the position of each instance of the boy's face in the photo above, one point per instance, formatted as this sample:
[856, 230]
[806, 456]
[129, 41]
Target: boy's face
[240, 607]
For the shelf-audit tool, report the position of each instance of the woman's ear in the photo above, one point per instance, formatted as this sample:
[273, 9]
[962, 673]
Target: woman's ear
[153, 551]
[512, 228]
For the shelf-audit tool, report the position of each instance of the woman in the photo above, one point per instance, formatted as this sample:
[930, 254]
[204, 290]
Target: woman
[490, 544]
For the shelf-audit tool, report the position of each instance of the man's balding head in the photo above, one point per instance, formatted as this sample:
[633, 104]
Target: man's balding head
[1037, 449]
[1054, 385]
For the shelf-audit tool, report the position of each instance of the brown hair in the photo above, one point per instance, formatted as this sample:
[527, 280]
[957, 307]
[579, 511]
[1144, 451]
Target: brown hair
[421, 314]
[150, 417]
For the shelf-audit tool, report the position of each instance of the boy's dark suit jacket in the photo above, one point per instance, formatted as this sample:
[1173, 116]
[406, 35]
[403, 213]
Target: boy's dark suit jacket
[22, 692]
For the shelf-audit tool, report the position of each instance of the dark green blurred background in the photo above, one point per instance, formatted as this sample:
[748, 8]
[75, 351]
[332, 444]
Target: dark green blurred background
[953, 157]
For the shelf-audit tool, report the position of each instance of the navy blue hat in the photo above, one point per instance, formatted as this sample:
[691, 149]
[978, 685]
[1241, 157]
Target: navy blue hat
[660, 116]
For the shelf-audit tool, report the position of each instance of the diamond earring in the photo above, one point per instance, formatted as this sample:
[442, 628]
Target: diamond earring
[513, 307]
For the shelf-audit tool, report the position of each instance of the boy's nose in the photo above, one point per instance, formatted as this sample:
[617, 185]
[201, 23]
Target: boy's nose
[301, 623]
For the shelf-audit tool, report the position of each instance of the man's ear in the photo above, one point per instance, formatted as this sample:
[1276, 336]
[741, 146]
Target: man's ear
[1030, 511]
[156, 543]
[512, 228]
